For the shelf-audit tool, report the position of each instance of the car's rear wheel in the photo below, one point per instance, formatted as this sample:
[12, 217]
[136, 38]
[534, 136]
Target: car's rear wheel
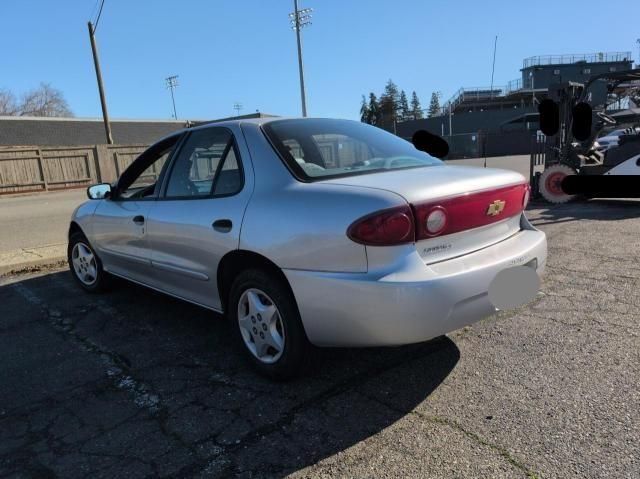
[267, 325]
[85, 265]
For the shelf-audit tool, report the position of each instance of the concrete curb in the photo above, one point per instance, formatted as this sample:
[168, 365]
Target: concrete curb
[32, 259]
[32, 266]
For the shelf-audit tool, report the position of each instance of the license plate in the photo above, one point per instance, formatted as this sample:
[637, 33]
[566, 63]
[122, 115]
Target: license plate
[515, 286]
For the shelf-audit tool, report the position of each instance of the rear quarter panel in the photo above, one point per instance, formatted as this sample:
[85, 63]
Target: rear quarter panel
[304, 226]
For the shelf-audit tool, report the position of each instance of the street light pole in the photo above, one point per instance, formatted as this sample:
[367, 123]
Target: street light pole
[300, 19]
[103, 101]
[172, 83]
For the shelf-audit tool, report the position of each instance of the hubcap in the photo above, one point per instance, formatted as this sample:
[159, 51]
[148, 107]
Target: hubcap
[261, 325]
[554, 183]
[84, 264]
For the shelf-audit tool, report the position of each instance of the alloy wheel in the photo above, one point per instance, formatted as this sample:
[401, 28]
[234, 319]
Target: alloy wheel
[261, 325]
[84, 264]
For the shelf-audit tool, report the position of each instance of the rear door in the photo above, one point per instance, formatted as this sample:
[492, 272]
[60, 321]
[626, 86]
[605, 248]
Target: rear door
[198, 216]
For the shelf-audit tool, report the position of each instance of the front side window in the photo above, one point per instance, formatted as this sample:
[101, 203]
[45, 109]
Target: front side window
[150, 176]
[140, 179]
[324, 148]
[206, 165]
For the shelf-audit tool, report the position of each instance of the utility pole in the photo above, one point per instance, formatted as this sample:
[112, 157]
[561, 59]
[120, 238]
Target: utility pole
[638, 42]
[299, 20]
[172, 83]
[237, 106]
[103, 101]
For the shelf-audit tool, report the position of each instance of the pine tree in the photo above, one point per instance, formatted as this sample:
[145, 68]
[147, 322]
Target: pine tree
[389, 105]
[416, 108]
[364, 110]
[373, 117]
[434, 105]
[403, 107]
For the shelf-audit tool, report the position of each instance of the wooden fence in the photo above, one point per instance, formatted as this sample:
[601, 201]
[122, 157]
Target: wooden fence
[26, 169]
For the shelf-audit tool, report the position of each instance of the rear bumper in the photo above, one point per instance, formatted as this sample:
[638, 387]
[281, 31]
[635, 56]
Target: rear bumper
[413, 304]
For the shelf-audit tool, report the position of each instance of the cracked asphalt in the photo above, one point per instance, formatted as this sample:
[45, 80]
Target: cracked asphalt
[136, 384]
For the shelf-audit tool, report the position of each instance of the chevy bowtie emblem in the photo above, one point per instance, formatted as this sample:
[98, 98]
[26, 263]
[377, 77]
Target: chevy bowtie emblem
[496, 208]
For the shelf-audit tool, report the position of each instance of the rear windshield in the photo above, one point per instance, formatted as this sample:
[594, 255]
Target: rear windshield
[315, 149]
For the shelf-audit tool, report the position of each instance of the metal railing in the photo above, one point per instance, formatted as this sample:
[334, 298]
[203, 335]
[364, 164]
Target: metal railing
[513, 86]
[575, 58]
[471, 93]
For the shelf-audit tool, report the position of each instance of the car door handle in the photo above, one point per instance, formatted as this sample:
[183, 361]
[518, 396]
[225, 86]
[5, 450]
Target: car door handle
[223, 226]
[139, 220]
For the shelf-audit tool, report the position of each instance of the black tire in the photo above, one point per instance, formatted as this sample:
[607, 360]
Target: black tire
[296, 351]
[102, 278]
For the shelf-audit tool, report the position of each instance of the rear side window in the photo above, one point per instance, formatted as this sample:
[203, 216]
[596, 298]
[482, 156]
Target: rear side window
[206, 165]
[315, 149]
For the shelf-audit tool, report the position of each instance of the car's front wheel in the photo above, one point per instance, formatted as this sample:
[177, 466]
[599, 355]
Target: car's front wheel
[85, 265]
[267, 325]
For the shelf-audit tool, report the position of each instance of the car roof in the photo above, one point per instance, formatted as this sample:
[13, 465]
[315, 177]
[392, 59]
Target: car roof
[223, 123]
[255, 122]
[208, 124]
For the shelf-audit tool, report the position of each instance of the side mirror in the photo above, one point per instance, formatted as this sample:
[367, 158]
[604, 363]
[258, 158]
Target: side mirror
[99, 192]
[549, 117]
[430, 143]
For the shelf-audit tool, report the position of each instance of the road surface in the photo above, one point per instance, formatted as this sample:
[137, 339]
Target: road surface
[136, 384]
[36, 220]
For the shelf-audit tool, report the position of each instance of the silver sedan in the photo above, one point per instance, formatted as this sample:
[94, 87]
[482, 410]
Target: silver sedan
[311, 231]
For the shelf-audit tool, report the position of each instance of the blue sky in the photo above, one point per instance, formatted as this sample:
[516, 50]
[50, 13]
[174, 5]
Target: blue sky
[226, 51]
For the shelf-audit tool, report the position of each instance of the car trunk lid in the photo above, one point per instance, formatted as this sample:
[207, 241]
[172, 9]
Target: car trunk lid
[481, 206]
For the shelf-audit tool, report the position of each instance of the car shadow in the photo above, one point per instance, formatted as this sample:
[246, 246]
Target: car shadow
[593, 209]
[181, 372]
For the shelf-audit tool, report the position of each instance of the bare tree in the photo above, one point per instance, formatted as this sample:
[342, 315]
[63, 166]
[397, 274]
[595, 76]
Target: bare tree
[8, 103]
[44, 101]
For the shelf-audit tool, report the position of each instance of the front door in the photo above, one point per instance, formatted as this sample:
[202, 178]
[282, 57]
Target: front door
[197, 218]
[119, 223]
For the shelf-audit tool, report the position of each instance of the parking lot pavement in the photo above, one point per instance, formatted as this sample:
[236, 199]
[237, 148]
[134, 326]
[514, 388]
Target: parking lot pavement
[137, 384]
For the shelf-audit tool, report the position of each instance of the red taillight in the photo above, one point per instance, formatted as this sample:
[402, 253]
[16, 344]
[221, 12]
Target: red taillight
[407, 224]
[384, 228]
[527, 196]
[470, 210]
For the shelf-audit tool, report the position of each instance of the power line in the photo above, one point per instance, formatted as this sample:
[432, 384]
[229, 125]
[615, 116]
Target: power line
[94, 10]
[95, 24]
[493, 68]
